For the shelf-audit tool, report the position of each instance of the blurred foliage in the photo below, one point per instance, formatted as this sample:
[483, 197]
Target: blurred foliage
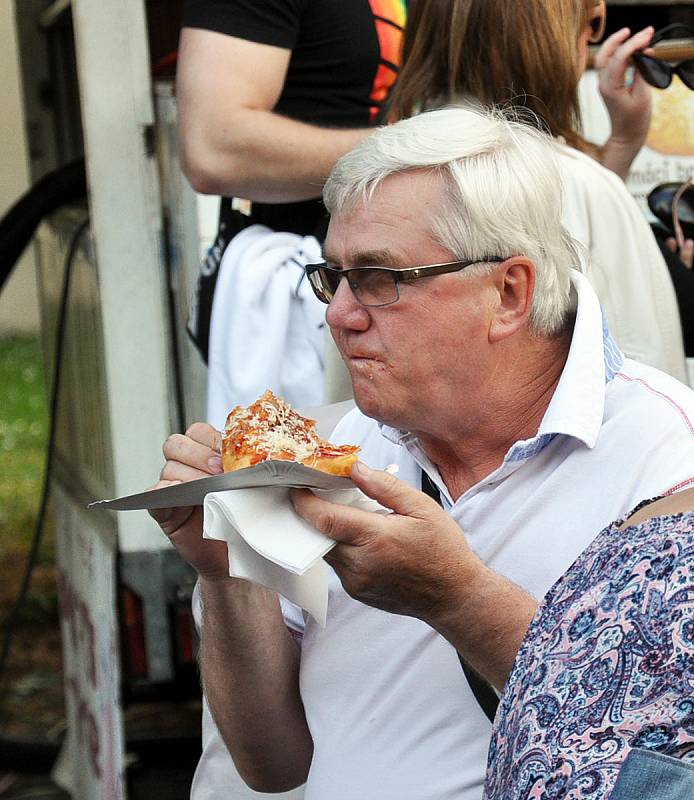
[23, 432]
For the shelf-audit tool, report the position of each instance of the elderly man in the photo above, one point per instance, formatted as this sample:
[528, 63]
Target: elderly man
[481, 366]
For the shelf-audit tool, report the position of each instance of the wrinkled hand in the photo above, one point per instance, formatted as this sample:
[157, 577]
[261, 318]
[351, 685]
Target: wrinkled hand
[686, 254]
[189, 457]
[629, 102]
[410, 562]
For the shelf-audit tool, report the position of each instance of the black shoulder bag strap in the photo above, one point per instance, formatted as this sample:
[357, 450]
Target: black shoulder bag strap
[484, 694]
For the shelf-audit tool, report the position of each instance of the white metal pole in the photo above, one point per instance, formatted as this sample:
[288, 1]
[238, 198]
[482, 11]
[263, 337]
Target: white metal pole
[126, 221]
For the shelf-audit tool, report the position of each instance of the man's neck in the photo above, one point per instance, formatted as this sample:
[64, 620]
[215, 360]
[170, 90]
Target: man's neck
[515, 402]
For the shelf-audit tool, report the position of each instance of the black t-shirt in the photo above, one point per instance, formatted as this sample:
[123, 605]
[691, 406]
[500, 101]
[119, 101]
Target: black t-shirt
[344, 52]
[344, 58]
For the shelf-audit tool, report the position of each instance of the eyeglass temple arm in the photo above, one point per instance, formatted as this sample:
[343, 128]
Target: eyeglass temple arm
[439, 269]
[673, 26]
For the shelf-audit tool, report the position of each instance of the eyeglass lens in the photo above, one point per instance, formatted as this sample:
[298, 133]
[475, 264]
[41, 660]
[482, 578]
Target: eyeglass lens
[659, 73]
[686, 72]
[372, 287]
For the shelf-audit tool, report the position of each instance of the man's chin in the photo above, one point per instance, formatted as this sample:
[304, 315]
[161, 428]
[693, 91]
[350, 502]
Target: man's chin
[373, 405]
[366, 398]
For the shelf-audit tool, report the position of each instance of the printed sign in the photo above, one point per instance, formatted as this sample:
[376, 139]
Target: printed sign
[91, 764]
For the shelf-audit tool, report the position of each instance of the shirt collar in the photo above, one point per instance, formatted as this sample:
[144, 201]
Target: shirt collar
[578, 403]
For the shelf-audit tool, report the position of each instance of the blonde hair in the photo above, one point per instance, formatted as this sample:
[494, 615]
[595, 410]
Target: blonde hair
[520, 52]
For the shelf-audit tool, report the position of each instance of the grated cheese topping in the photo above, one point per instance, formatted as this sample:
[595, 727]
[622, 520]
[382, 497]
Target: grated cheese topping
[273, 430]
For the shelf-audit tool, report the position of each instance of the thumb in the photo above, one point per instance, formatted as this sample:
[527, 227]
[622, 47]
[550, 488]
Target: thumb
[390, 491]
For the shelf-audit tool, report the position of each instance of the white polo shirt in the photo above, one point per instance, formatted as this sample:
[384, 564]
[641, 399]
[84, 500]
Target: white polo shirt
[390, 711]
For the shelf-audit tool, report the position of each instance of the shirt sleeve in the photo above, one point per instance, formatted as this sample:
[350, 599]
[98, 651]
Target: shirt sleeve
[274, 22]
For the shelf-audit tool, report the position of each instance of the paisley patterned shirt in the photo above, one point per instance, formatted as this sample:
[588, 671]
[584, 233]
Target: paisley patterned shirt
[606, 666]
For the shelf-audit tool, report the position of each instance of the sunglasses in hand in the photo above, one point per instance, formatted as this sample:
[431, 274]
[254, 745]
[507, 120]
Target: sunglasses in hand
[658, 72]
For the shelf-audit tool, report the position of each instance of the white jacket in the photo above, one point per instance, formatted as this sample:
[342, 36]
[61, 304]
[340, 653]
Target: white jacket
[625, 265]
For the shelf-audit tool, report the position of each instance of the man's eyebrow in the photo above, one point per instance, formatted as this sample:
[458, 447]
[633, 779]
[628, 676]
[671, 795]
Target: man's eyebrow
[365, 258]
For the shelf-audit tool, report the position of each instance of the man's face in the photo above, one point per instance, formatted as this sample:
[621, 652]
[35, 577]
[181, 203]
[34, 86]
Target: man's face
[414, 363]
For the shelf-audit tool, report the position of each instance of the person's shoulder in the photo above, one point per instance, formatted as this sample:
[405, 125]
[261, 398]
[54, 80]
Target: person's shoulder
[274, 22]
[643, 387]
[585, 170]
[600, 212]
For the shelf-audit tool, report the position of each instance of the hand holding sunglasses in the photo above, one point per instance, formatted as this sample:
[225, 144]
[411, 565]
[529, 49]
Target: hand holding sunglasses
[658, 72]
[627, 97]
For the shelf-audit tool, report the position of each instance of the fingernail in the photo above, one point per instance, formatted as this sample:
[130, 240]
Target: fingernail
[362, 469]
[215, 463]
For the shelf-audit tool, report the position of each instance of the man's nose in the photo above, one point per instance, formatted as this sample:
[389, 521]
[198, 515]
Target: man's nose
[345, 311]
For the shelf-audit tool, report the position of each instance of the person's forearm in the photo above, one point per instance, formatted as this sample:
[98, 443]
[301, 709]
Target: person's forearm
[262, 156]
[250, 666]
[618, 154]
[485, 619]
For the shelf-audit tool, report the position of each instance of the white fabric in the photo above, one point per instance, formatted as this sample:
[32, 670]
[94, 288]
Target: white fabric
[625, 265]
[270, 544]
[390, 711]
[267, 328]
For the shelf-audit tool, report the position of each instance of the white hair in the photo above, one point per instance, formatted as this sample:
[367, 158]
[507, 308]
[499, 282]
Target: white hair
[503, 193]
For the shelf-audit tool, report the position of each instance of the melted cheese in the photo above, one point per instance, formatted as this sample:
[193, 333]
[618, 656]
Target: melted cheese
[272, 428]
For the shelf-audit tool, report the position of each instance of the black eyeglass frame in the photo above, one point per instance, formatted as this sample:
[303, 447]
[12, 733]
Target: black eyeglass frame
[646, 65]
[407, 275]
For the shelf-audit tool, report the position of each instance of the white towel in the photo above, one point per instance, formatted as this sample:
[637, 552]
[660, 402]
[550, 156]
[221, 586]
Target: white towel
[267, 326]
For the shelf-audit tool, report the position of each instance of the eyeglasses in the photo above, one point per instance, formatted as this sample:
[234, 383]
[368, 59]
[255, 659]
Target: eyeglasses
[658, 72]
[377, 286]
[597, 22]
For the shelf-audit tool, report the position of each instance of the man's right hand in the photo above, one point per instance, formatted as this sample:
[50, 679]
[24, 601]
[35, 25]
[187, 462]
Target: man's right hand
[189, 457]
[243, 636]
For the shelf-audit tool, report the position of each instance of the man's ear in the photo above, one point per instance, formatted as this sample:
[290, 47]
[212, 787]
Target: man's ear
[514, 281]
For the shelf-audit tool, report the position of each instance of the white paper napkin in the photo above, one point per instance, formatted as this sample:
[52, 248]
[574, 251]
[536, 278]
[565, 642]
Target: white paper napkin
[270, 544]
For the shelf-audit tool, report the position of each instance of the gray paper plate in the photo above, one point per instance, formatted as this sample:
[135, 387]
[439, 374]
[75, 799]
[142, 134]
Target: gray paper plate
[269, 473]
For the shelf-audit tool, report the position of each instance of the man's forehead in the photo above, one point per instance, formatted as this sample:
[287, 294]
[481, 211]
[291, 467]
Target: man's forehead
[399, 213]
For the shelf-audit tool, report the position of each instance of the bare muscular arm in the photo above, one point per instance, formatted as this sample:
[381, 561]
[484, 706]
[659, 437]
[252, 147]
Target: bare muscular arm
[232, 142]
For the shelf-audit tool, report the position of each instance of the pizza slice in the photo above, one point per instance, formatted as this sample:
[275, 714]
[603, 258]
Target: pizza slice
[270, 429]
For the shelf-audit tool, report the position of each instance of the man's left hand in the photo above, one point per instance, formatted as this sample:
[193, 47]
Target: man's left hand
[410, 562]
[417, 562]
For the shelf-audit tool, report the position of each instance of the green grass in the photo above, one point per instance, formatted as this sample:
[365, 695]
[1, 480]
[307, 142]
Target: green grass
[23, 432]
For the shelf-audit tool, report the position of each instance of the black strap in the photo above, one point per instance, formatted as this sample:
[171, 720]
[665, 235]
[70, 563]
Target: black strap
[484, 694]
